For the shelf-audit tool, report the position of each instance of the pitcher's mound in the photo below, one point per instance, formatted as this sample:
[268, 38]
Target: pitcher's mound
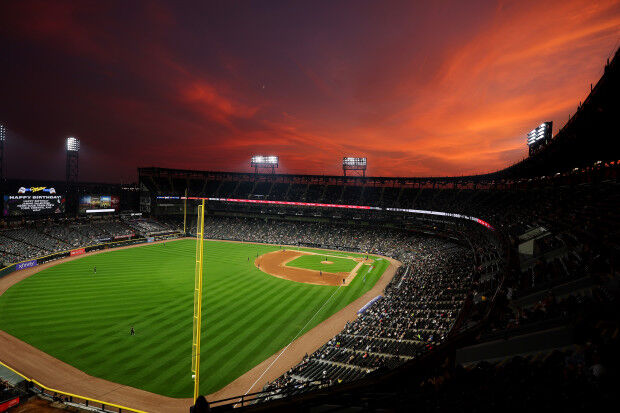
[326, 262]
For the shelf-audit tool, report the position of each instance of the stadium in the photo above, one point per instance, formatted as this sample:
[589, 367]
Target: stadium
[262, 290]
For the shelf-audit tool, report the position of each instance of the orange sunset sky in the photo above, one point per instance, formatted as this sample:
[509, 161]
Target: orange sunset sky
[420, 88]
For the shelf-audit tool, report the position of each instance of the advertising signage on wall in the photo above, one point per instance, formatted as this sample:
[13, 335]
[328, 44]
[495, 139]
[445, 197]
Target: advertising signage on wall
[78, 251]
[36, 200]
[26, 264]
[5, 405]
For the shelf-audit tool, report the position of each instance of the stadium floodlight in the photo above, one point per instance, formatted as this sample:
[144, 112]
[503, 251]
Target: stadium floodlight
[539, 137]
[265, 161]
[354, 164]
[73, 144]
[2, 132]
[354, 161]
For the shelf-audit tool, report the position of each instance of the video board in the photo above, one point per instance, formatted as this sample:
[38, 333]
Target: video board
[32, 201]
[94, 204]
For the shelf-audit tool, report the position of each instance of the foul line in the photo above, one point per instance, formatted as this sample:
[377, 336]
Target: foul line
[284, 349]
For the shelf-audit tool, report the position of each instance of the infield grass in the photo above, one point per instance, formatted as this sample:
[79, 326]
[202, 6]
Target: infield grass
[84, 319]
[314, 262]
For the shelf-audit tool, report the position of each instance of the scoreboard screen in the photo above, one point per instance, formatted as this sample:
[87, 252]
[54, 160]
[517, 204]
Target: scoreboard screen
[33, 201]
[93, 204]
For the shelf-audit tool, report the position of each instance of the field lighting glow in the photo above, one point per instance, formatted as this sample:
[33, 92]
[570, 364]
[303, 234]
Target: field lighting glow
[73, 144]
[264, 160]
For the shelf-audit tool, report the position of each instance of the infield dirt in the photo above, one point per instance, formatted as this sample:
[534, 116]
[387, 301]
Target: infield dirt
[274, 263]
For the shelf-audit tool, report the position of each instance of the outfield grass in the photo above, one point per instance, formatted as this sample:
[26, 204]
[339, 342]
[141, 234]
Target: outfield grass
[313, 262]
[84, 318]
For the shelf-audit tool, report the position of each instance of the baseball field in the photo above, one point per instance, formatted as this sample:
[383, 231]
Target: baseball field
[82, 311]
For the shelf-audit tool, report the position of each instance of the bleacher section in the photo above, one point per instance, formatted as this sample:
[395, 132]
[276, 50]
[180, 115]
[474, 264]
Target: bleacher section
[44, 238]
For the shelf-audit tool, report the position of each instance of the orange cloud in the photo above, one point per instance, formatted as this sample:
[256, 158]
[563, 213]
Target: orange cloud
[203, 97]
[532, 64]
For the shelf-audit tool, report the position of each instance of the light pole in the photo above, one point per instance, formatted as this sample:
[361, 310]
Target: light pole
[72, 146]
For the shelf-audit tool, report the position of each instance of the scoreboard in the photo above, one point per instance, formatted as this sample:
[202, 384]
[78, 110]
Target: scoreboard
[33, 201]
[94, 204]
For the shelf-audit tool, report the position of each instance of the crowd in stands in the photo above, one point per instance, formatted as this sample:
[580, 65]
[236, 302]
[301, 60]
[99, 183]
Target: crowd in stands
[41, 238]
[7, 391]
[416, 313]
[148, 226]
[574, 258]
[582, 376]
[389, 240]
[510, 316]
[562, 380]
[569, 280]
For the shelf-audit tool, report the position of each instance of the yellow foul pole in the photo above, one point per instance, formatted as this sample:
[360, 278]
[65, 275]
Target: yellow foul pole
[185, 213]
[198, 299]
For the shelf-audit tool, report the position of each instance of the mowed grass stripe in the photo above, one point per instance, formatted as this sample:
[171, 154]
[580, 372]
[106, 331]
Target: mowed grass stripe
[267, 333]
[259, 325]
[84, 318]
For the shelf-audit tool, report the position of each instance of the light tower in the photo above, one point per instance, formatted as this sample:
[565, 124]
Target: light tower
[2, 139]
[264, 162]
[73, 148]
[357, 165]
[539, 137]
